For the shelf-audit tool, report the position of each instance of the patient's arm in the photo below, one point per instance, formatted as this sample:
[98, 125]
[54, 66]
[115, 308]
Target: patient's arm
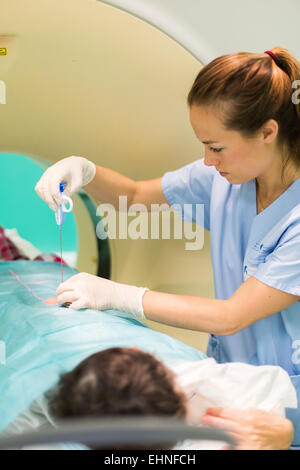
[252, 429]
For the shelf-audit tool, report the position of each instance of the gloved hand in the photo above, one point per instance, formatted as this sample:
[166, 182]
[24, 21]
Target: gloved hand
[87, 291]
[74, 171]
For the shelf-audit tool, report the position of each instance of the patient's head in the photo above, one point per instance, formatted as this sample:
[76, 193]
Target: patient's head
[118, 381]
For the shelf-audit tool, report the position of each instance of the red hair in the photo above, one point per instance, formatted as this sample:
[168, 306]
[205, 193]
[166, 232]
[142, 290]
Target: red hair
[249, 89]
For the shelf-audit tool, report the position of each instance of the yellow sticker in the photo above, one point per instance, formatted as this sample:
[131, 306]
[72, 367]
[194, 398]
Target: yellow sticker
[3, 51]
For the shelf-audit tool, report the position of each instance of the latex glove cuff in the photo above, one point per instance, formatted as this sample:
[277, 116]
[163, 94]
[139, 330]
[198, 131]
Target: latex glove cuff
[88, 291]
[131, 300]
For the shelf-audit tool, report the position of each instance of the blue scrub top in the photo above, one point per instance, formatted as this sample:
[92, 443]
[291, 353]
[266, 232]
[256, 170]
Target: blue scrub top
[243, 244]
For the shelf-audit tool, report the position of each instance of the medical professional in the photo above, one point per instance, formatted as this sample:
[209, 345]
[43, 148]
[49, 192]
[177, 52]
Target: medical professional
[244, 108]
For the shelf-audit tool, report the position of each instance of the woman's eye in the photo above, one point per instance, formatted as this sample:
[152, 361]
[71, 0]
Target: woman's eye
[215, 150]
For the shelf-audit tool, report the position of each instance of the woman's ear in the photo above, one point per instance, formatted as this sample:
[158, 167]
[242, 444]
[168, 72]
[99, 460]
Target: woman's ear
[269, 131]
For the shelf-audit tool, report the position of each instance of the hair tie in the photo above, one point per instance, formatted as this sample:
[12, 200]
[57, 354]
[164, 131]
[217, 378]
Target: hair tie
[273, 56]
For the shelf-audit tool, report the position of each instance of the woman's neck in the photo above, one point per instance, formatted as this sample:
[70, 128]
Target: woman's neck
[271, 185]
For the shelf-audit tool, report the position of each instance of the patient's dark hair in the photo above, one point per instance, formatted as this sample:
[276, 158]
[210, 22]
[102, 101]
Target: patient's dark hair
[118, 381]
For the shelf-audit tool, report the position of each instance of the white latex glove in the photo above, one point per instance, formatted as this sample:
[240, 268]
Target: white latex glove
[87, 291]
[74, 171]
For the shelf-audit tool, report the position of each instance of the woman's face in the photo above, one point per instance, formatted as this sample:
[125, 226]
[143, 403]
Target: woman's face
[229, 152]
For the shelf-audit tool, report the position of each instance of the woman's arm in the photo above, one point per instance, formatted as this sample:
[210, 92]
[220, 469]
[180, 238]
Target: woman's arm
[193, 313]
[251, 302]
[108, 185]
[104, 184]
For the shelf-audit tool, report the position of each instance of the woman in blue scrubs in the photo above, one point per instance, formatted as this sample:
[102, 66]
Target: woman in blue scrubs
[244, 108]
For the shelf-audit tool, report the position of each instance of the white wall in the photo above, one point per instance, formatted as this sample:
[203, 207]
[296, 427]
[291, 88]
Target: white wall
[212, 28]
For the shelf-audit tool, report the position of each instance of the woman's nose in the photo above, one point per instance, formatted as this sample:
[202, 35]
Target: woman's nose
[211, 160]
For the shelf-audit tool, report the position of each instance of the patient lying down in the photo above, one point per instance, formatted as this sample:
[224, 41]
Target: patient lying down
[128, 381]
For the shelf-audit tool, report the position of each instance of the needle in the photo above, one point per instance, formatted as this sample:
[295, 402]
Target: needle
[60, 215]
[61, 264]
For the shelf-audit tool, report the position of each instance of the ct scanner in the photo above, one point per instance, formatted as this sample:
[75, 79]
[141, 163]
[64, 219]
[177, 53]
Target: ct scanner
[108, 80]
